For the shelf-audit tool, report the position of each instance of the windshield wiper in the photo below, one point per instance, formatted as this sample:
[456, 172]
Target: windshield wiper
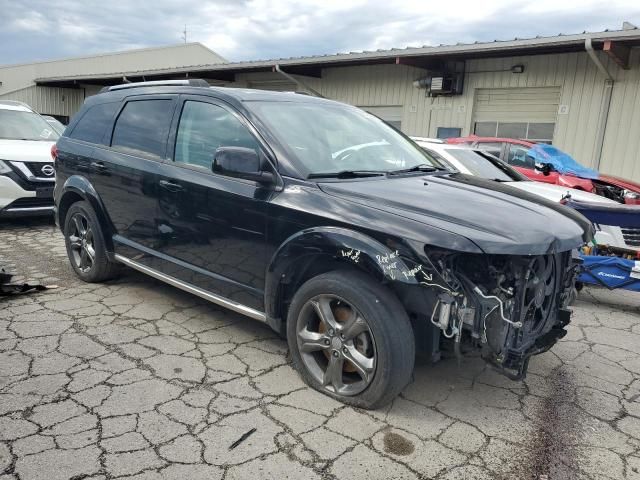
[347, 174]
[423, 167]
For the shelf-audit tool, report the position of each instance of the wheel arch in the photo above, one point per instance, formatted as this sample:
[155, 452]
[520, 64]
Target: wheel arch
[76, 189]
[318, 250]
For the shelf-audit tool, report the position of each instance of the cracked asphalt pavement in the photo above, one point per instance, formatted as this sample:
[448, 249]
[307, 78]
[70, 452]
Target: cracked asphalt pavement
[135, 379]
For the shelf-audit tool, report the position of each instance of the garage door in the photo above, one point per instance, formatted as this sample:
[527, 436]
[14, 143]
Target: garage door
[525, 113]
[392, 114]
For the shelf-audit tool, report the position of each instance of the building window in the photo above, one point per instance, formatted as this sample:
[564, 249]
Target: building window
[448, 132]
[533, 131]
[512, 130]
[541, 132]
[486, 129]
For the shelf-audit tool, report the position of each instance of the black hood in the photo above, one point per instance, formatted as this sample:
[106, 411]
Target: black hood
[499, 219]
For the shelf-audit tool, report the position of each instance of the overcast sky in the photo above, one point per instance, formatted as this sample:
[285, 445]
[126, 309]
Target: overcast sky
[258, 29]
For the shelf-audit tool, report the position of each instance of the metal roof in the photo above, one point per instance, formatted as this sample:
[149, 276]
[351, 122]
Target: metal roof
[119, 53]
[418, 56]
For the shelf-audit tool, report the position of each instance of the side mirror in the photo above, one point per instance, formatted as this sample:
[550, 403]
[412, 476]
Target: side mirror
[240, 162]
[544, 168]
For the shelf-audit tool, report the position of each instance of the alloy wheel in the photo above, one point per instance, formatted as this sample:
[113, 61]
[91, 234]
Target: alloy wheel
[81, 243]
[336, 345]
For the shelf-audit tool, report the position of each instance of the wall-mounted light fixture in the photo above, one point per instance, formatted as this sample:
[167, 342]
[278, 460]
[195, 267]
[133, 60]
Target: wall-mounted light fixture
[519, 68]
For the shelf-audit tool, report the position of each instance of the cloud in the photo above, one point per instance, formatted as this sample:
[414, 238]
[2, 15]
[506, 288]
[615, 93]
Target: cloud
[257, 29]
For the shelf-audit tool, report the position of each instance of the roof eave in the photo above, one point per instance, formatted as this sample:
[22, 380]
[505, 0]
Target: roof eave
[226, 71]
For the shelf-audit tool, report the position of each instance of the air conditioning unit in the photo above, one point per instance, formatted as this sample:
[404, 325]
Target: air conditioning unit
[445, 84]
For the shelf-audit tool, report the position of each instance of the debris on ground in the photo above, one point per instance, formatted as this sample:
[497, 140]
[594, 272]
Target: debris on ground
[7, 288]
[242, 439]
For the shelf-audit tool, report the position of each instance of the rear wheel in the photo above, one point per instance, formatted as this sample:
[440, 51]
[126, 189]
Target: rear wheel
[350, 338]
[85, 244]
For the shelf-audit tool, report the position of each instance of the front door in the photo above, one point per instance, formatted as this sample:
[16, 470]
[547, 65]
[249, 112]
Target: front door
[518, 157]
[213, 226]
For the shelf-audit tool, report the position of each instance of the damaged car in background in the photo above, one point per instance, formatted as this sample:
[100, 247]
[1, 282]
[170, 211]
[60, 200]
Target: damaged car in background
[322, 221]
[482, 164]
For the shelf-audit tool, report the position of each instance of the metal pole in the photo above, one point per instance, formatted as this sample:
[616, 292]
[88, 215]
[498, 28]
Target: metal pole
[297, 81]
[605, 105]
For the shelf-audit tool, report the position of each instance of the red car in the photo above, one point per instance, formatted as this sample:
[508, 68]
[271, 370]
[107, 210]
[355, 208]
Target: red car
[516, 153]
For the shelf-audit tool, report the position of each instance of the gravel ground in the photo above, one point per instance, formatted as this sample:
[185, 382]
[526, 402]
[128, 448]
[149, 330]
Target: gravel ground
[135, 379]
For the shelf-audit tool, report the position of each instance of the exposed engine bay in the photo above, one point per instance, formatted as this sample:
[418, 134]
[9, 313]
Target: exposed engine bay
[509, 307]
[611, 192]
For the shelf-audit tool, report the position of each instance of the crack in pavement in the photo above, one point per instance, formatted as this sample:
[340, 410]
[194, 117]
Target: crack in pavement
[135, 378]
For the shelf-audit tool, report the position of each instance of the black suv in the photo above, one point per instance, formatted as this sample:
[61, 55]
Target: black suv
[320, 220]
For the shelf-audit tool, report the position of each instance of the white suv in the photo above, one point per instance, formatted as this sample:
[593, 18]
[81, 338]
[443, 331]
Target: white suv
[27, 175]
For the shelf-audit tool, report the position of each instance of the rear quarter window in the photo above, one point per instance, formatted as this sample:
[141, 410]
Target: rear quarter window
[93, 125]
[142, 127]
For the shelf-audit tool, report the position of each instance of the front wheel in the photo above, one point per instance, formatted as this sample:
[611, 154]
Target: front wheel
[351, 338]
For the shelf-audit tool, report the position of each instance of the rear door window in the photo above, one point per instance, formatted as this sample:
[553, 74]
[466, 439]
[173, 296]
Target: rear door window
[142, 127]
[94, 123]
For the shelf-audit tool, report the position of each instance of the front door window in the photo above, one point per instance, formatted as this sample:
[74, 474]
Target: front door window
[205, 127]
[519, 157]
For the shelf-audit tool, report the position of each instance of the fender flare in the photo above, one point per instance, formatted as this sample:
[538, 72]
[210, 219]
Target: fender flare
[335, 244]
[81, 186]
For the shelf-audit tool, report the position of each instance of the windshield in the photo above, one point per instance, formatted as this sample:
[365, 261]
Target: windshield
[327, 138]
[483, 166]
[56, 124]
[21, 125]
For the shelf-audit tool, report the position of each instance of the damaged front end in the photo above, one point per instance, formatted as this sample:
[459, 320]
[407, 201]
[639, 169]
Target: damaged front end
[509, 307]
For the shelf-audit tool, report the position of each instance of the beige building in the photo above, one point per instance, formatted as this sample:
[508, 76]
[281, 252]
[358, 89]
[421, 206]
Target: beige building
[581, 92]
[17, 82]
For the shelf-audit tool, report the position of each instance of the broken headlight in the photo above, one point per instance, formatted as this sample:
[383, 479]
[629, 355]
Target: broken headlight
[631, 195]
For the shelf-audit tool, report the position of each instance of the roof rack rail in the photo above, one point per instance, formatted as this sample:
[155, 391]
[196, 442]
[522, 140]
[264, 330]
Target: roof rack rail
[191, 82]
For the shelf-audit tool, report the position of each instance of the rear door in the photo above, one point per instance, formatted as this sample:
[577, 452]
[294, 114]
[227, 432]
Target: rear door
[124, 174]
[213, 226]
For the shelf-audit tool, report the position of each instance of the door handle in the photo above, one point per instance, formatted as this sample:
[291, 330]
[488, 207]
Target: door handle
[98, 166]
[172, 187]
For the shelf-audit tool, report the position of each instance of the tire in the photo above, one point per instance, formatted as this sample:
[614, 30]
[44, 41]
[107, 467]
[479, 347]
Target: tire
[367, 357]
[83, 235]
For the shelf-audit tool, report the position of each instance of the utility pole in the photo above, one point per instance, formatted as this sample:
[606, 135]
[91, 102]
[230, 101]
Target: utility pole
[184, 34]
